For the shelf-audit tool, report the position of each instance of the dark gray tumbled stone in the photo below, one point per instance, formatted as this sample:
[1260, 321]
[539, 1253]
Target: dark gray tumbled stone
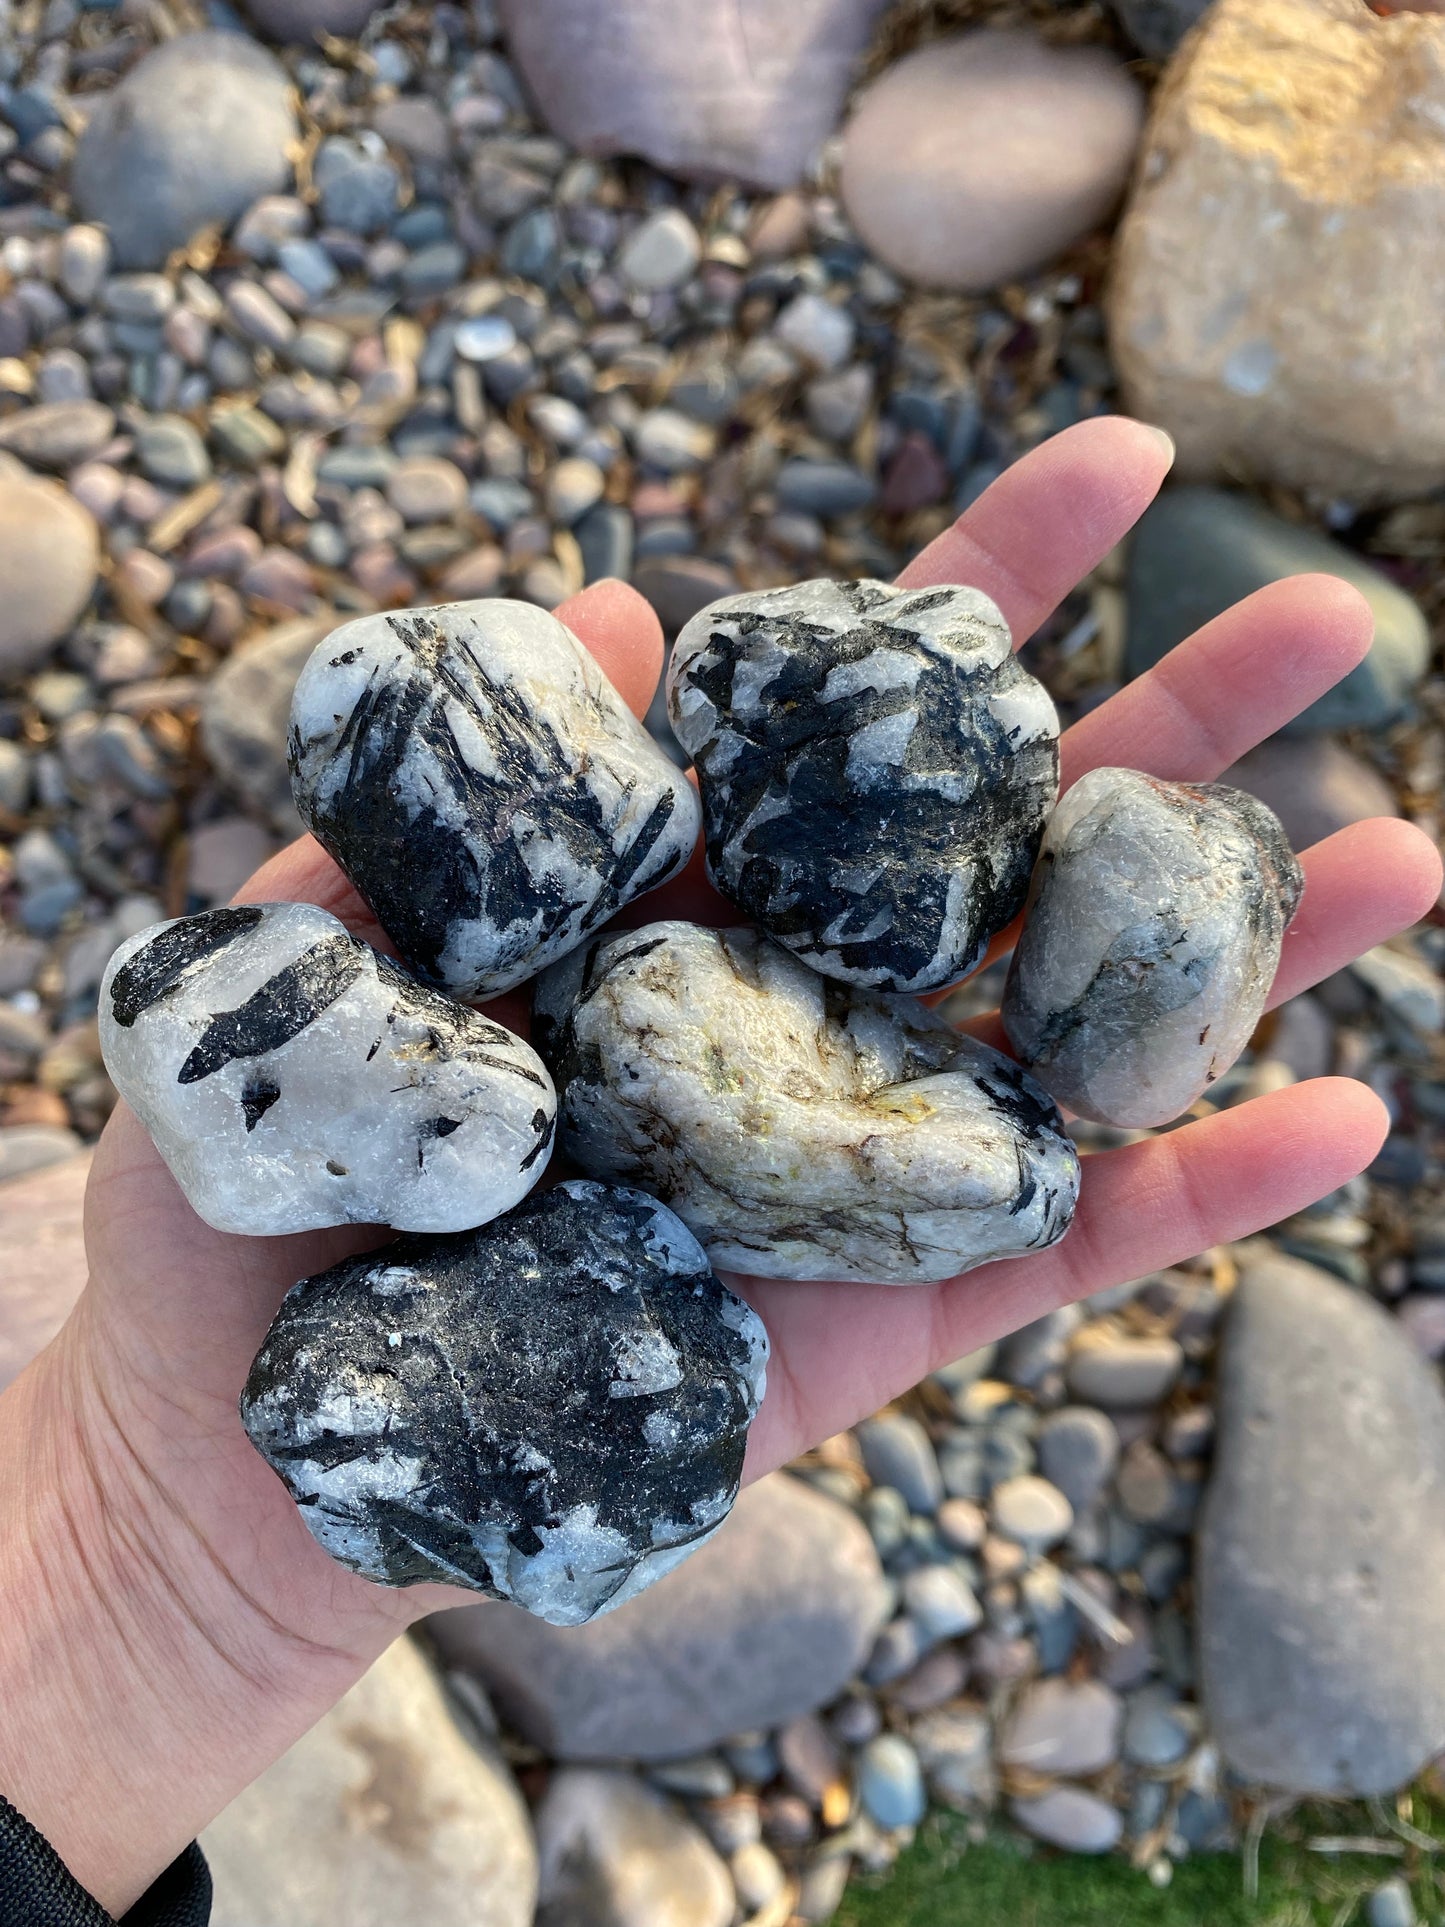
[875, 770]
[1321, 1557]
[550, 1410]
[800, 1127]
[1150, 943]
[1199, 550]
[484, 787]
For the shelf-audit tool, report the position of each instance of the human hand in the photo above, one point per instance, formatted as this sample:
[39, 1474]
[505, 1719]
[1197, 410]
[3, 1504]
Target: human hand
[224, 1631]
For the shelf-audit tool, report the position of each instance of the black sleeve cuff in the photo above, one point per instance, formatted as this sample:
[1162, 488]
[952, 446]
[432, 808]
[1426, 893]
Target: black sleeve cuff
[37, 1889]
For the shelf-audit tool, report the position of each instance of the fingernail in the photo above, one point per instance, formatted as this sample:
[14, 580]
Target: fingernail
[1165, 440]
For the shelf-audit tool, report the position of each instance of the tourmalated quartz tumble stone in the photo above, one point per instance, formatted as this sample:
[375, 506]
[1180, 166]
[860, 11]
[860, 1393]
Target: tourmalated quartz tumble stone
[292, 1078]
[1150, 943]
[875, 770]
[484, 787]
[800, 1127]
[551, 1410]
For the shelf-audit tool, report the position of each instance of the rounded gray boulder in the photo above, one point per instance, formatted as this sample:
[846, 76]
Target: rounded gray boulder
[767, 1622]
[195, 132]
[1321, 1556]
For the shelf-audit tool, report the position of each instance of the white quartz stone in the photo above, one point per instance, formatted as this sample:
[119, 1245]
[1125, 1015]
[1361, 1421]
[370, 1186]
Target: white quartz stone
[799, 1127]
[292, 1078]
[1150, 942]
[484, 787]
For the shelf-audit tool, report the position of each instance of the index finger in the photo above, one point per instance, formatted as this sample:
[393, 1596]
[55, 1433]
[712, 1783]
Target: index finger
[1051, 518]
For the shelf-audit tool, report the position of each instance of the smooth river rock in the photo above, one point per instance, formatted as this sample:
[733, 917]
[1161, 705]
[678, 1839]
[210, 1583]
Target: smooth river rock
[1050, 136]
[1150, 943]
[769, 1621]
[802, 1129]
[747, 92]
[198, 129]
[1157, 26]
[1276, 287]
[875, 770]
[1314, 785]
[246, 712]
[303, 22]
[1198, 551]
[292, 1078]
[551, 1410]
[484, 787]
[1321, 1556]
[385, 1812]
[49, 556]
[614, 1853]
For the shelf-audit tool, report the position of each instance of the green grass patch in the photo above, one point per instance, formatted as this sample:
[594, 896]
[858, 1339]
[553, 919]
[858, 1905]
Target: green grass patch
[944, 1880]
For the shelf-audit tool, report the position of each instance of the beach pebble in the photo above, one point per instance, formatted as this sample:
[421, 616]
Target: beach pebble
[1157, 26]
[1123, 1373]
[1313, 784]
[801, 1130]
[198, 129]
[890, 1782]
[49, 556]
[1031, 1511]
[84, 259]
[1060, 1726]
[484, 787]
[170, 451]
[661, 253]
[58, 434]
[292, 1078]
[244, 714]
[899, 1454]
[1078, 1448]
[875, 769]
[305, 21]
[1150, 943]
[1052, 133]
[566, 1400]
[941, 1602]
[1070, 1817]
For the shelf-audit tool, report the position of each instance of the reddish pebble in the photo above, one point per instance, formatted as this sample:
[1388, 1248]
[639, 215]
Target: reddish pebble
[378, 570]
[224, 553]
[916, 478]
[477, 573]
[226, 620]
[280, 576]
[147, 577]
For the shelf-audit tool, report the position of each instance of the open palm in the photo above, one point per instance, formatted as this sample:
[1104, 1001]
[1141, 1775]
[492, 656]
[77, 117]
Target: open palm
[175, 1311]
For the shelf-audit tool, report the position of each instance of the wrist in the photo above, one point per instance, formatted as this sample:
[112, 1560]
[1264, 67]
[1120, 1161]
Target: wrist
[145, 1679]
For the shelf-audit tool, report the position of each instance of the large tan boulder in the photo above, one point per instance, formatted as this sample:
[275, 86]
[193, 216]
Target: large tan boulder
[1279, 280]
[384, 1814]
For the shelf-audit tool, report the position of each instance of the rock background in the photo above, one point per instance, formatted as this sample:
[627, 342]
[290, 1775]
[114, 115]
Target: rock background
[382, 334]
